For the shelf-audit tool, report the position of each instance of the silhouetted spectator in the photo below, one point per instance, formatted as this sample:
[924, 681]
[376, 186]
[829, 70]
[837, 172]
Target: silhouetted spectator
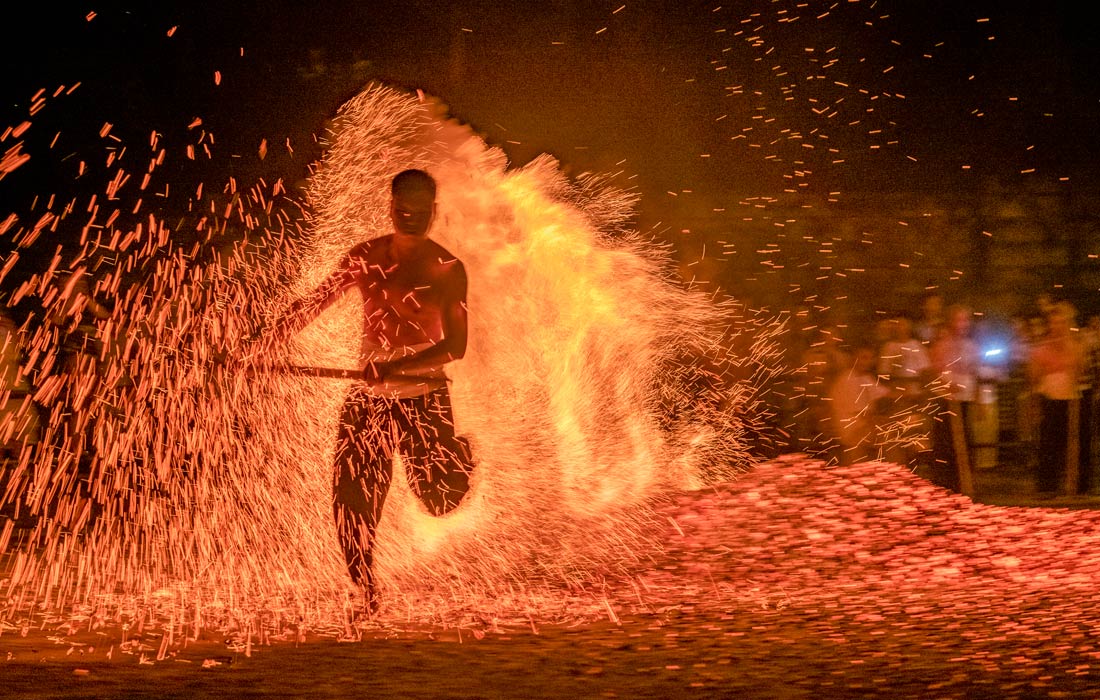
[1045, 303]
[1055, 371]
[883, 333]
[931, 318]
[1090, 392]
[19, 420]
[67, 391]
[18, 415]
[903, 367]
[821, 364]
[853, 398]
[954, 362]
[1014, 391]
[903, 361]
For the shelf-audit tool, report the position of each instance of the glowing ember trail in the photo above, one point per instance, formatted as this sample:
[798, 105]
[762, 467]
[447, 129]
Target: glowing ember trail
[168, 478]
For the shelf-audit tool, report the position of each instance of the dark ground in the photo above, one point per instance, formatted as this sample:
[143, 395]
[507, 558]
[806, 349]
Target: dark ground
[761, 654]
[794, 582]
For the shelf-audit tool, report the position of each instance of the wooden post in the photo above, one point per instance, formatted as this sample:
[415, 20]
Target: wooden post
[962, 450]
[1088, 438]
[1073, 447]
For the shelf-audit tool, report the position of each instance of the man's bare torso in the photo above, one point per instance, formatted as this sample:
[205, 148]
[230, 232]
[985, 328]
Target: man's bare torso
[404, 297]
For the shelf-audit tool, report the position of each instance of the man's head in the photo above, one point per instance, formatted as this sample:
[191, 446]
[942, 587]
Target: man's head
[1037, 326]
[863, 360]
[1045, 302]
[958, 320]
[412, 203]
[931, 305]
[903, 328]
[1061, 318]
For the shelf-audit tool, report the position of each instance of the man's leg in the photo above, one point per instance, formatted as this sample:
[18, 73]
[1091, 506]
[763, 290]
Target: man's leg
[944, 469]
[437, 461]
[1085, 479]
[1053, 428]
[364, 469]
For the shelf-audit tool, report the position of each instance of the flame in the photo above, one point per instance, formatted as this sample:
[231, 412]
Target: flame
[592, 386]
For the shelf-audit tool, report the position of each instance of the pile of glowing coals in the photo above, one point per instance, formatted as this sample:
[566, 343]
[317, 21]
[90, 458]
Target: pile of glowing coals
[167, 479]
[875, 537]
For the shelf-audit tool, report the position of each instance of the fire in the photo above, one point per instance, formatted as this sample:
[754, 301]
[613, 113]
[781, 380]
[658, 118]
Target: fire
[201, 489]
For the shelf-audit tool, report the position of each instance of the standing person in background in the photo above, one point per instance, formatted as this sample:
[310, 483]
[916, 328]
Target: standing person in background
[1045, 304]
[954, 360]
[1090, 334]
[903, 367]
[1035, 333]
[1013, 390]
[18, 415]
[821, 364]
[853, 398]
[1054, 369]
[76, 321]
[1090, 388]
[791, 385]
[931, 318]
[903, 360]
[884, 332]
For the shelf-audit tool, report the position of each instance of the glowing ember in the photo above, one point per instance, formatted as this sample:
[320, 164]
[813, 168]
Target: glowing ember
[803, 574]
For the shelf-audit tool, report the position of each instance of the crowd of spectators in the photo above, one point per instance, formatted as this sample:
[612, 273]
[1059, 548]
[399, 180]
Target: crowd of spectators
[947, 390]
[943, 389]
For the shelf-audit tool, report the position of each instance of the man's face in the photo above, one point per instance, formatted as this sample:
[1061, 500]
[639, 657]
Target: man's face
[960, 322]
[933, 306]
[903, 330]
[412, 213]
[865, 360]
[1059, 322]
[1037, 326]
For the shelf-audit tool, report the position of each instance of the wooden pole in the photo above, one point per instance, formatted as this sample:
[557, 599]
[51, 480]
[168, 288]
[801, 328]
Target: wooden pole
[326, 372]
[392, 381]
[962, 450]
[1073, 447]
[1088, 438]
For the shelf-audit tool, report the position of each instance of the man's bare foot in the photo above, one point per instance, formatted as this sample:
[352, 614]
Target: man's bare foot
[365, 602]
[370, 603]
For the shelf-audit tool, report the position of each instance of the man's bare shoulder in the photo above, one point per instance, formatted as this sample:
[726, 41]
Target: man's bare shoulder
[368, 256]
[439, 252]
[445, 261]
[370, 248]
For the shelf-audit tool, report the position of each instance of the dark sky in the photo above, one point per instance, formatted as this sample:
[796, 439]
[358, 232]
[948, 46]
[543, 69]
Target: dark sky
[741, 98]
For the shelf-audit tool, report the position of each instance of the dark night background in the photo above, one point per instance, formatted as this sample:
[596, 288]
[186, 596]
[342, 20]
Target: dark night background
[721, 100]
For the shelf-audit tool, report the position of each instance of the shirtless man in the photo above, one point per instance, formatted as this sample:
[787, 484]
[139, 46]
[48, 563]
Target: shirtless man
[414, 304]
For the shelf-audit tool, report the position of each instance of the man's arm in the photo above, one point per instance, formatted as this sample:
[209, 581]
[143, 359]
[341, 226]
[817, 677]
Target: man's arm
[302, 311]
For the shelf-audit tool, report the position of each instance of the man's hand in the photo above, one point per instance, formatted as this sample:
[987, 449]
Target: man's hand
[377, 372]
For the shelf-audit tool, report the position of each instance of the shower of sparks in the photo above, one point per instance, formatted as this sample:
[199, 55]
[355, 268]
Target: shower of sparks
[166, 478]
[164, 485]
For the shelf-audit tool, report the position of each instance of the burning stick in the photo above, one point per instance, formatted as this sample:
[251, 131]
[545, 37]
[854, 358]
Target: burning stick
[392, 381]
